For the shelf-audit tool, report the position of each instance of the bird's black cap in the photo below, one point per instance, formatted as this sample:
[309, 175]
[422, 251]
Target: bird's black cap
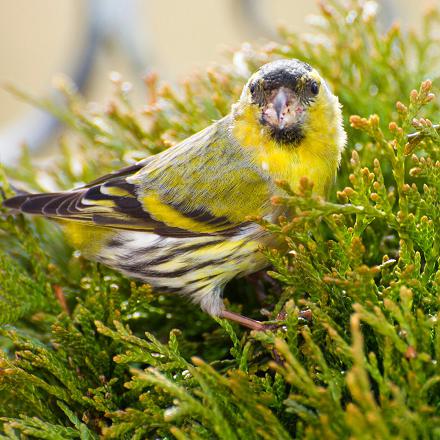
[282, 73]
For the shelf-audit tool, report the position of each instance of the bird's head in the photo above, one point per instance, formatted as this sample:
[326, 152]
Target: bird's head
[286, 99]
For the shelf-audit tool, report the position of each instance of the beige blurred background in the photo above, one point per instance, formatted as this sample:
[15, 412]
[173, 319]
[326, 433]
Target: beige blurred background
[86, 39]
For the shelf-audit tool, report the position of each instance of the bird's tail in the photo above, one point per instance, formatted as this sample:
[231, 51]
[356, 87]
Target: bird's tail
[30, 203]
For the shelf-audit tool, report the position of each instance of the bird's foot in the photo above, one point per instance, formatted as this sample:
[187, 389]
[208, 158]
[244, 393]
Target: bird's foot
[258, 325]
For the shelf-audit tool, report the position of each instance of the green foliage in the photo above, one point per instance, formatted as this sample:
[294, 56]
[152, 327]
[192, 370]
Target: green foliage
[75, 361]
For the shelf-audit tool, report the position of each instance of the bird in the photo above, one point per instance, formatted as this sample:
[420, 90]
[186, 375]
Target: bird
[183, 220]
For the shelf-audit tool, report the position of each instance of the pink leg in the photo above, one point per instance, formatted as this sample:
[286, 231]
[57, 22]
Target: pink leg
[257, 325]
[242, 320]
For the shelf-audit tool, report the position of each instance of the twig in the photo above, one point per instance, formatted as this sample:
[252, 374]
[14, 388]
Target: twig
[59, 295]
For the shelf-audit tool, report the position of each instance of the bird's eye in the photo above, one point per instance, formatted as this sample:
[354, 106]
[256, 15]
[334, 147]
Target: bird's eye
[252, 88]
[314, 88]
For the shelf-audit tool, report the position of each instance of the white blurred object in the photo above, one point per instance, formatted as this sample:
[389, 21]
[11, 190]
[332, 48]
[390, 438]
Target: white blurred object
[33, 129]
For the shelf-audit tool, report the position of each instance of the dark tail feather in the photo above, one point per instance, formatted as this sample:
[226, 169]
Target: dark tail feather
[15, 202]
[30, 203]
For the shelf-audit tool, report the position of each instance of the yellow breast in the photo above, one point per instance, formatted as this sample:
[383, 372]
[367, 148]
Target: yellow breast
[316, 157]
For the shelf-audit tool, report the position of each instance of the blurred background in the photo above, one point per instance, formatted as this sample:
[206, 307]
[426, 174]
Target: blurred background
[87, 39]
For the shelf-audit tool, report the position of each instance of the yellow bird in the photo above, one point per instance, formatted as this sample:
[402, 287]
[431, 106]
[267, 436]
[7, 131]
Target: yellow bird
[179, 220]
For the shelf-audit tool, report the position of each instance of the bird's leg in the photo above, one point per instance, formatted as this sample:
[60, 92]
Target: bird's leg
[258, 325]
[243, 320]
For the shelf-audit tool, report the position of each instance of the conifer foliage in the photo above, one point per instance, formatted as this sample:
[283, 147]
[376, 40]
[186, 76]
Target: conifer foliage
[86, 353]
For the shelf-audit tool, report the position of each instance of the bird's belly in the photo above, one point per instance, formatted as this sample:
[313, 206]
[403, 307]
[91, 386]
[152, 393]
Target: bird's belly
[194, 266]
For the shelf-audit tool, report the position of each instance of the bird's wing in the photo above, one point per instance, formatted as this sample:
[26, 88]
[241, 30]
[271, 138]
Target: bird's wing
[208, 184]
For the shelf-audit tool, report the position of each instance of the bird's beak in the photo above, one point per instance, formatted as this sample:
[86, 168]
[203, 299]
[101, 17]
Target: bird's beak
[282, 109]
[280, 106]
